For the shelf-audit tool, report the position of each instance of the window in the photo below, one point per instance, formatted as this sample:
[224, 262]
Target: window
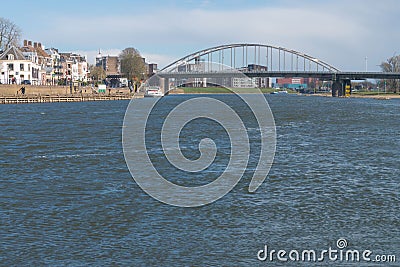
[21, 67]
[10, 66]
[29, 67]
[10, 57]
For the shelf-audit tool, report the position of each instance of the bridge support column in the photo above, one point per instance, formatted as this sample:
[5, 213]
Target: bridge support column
[336, 88]
[164, 85]
[341, 88]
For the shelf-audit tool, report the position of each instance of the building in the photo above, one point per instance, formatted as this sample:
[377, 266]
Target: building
[16, 68]
[296, 83]
[74, 67]
[112, 67]
[111, 64]
[34, 64]
[244, 82]
[151, 69]
[35, 52]
[56, 73]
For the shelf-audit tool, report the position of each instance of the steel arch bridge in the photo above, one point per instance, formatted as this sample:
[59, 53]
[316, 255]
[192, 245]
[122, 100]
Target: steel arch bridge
[259, 61]
[248, 55]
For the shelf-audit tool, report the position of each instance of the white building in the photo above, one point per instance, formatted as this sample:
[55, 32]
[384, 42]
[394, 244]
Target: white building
[74, 67]
[15, 68]
[244, 82]
[56, 70]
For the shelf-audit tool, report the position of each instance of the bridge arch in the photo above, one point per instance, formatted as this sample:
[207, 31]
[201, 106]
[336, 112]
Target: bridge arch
[251, 55]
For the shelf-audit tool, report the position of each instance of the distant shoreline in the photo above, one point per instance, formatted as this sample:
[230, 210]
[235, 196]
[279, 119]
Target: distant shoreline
[377, 96]
[382, 96]
[221, 91]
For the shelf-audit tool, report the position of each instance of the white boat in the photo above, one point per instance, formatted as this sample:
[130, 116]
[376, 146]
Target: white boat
[153, 91]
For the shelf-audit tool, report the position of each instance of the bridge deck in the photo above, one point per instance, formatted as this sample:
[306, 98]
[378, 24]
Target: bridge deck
[276, 74]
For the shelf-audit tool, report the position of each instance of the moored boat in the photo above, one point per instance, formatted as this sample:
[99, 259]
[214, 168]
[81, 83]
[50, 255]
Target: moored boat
[153, 91]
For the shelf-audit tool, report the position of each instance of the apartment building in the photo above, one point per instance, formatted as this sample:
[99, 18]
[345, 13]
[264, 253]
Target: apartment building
[73, 67]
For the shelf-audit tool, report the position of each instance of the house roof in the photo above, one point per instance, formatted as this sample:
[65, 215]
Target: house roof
[12, 50]
[28, 48]
[40, 52]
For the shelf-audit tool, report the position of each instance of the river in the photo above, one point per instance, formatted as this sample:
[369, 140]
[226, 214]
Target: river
[67, 197]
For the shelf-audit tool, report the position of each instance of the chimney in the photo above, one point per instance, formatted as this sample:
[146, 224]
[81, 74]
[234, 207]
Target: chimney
[40, 45]
[35, 45]
[25, 42]
[30, 43]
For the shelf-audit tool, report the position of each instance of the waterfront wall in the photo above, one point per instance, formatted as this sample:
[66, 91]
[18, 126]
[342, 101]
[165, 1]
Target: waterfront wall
[65, 98]
[15, 90]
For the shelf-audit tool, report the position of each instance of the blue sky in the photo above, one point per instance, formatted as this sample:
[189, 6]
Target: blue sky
[339, 32]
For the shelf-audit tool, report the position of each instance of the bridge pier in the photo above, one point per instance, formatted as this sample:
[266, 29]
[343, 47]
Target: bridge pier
[341, 88]
[336, 88]
[164, 85]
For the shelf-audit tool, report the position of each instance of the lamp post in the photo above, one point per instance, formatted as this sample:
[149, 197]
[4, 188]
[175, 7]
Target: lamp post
[385, 86]
[8, 74]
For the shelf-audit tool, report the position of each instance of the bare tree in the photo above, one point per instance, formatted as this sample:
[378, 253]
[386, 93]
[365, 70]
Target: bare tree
[391, 65]
[132, 65]
[10, 33]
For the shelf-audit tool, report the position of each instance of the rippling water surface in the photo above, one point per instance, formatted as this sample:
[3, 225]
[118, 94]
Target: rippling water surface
[67, 197]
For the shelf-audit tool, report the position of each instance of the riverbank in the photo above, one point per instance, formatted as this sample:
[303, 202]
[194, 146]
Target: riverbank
[20, 89]
[221, 90]
[376, 96]
[382, 96]
[14, 94]
[24, 99]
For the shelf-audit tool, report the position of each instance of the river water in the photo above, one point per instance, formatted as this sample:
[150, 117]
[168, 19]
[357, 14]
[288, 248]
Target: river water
[68, 199]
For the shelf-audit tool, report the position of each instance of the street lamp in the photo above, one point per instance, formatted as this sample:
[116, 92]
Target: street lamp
[8, 74]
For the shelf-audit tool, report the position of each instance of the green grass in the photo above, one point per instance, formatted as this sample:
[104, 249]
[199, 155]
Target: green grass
[221, 90]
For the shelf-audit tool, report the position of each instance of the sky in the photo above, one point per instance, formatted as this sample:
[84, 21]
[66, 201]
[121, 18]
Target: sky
[342, 33]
